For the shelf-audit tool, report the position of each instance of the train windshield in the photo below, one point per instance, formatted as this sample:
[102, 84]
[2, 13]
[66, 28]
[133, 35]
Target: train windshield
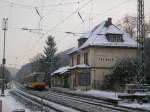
[39, 77]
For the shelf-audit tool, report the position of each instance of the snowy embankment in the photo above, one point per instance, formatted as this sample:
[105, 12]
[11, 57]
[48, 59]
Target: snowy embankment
[114, 95]
[145, 106]
[55, 106]
[103, 94]
[9, 103]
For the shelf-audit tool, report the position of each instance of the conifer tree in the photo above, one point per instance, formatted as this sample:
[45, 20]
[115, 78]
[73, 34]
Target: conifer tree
[48, 61]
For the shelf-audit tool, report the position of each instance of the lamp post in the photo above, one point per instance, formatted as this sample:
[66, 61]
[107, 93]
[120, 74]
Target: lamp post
[5, 20]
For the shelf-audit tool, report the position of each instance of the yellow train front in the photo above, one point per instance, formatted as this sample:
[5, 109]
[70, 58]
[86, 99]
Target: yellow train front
[35, 81]
[38, 85]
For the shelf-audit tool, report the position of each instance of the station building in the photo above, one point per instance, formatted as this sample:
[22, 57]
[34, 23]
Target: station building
[96, 54]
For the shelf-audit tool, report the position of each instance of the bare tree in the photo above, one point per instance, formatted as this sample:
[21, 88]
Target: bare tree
[36, 62]
[129, 24]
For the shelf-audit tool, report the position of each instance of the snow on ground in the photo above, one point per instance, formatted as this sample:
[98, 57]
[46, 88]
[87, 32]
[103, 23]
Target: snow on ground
[113, 95]
[145, 106]
[9, 103]
[103, 94]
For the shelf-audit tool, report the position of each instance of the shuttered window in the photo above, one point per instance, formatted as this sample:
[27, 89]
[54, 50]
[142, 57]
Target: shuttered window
[86, 58]
[78, 59]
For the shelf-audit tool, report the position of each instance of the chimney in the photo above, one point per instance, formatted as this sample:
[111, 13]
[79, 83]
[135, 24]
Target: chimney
[108, 22]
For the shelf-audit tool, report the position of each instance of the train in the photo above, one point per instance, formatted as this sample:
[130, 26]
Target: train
[35, 81]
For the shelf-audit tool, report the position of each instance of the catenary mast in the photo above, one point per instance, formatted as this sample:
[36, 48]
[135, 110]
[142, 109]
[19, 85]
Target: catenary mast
[5, 21]
[140, 41]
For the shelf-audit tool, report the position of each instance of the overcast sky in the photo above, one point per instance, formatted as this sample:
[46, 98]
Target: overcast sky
[58, 17]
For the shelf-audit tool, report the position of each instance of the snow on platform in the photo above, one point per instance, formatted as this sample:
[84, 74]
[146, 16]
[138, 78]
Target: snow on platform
[103, 94]
[145, 106]
[113, 95]
[9, 103]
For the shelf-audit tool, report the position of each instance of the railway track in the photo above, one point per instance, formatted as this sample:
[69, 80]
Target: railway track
[98, 101]
[45, 105]
[96, 105]
[81, 103]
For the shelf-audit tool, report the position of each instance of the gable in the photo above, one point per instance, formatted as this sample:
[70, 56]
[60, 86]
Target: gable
[108, 35]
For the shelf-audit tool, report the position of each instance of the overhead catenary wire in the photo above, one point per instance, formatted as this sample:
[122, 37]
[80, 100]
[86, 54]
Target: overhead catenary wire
[33, 6]
[62, 21]
[30, 49]
[66, 18]
[59, 23]
[79, 13]
[86, 13]
[104, 12]
[91, 17]
[34, 29]
[40, 28]
[64, 31]
[80, 17]
[53, 10]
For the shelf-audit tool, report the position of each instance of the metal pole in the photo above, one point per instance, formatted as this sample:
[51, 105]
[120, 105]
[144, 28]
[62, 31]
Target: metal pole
[140, 41]
[4, 60]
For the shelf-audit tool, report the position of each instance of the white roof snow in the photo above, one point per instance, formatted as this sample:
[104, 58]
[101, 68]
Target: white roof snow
[97, 37]
[86, 35]
[61, 70]
[73, 50]
[80, 66]
[113, 30]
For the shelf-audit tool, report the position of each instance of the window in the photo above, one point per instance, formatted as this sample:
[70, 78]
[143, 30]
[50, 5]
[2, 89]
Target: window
[84, 79]
[86, 58]
[114, 37]
[78, 59]
[72, 61]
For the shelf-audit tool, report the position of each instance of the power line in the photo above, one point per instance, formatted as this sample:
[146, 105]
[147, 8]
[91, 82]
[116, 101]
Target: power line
[33, 29]
[33, 6]
[16, 4]
[59, 23]
[30, 49]
[59, 11]
[62, 21]
[66, 18]
[86, 13]
[107, 10]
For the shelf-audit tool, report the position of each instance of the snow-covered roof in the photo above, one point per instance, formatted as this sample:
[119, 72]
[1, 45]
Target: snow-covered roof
[61, 70]
[72, 50]
[113, 30]
[97, 37]
[80, 66]
[85, 35]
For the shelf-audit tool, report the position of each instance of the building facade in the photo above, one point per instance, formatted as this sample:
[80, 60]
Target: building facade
[96, 54]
